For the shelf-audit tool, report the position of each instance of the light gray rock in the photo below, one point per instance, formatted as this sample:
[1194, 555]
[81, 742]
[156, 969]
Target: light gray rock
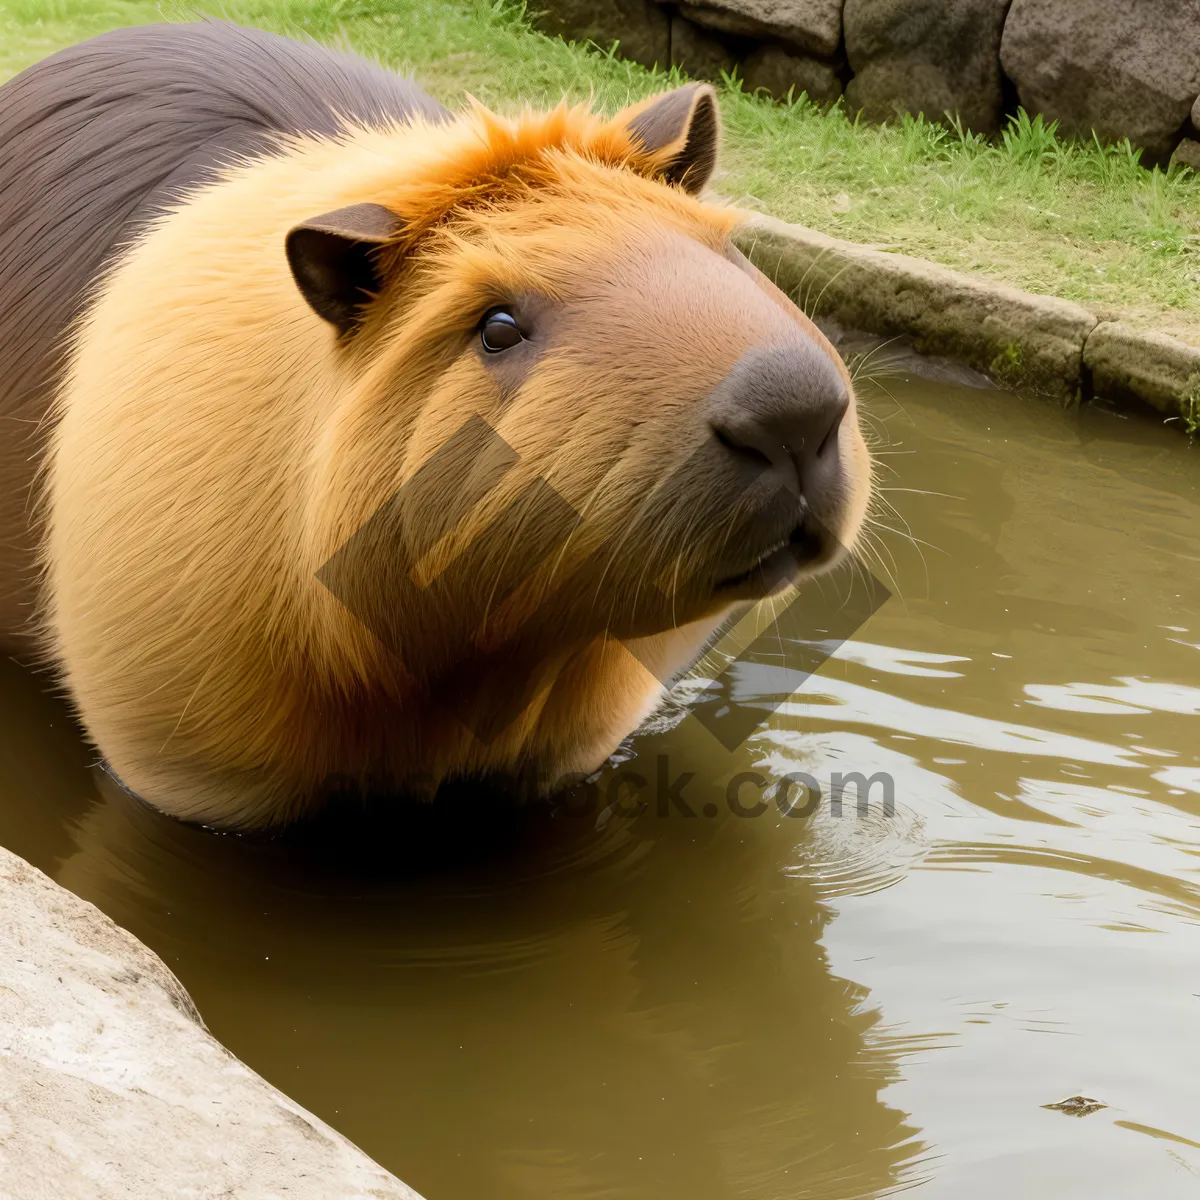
[776, 70]
[641, 27]
[112, 1089]
[926, 56]
[699, 53]
[1026, 341]
[814, 26]
[1121, 68]
[1187, 154]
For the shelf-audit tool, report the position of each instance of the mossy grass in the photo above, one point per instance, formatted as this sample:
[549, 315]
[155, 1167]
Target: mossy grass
[1189, 406]
[1076, 219]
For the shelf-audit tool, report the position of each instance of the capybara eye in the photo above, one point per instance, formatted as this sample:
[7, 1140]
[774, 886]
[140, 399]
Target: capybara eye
[500, 331]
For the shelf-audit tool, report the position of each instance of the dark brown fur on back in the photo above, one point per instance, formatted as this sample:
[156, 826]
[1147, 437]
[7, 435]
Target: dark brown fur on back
[96, 139]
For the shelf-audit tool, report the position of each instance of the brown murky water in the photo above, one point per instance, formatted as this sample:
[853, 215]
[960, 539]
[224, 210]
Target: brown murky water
[676, 1007]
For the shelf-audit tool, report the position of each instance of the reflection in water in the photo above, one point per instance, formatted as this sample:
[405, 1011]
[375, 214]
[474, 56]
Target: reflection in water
[641, 1003]
[1127, 696]
[641, 1010]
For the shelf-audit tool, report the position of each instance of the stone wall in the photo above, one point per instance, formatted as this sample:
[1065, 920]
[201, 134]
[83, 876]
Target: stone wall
[1124, 68]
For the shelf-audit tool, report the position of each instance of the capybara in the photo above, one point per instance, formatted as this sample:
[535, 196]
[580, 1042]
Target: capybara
[356, 443]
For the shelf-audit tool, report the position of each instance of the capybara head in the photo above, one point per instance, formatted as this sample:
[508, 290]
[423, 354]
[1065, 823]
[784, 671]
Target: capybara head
[459, 465]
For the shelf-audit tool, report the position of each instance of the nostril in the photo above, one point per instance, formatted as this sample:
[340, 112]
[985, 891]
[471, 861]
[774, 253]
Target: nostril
[830, 437]
[740, 448]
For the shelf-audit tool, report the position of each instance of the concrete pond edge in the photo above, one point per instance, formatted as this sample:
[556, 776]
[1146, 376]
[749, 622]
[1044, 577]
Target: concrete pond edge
[111, 1088]
[1020, 340]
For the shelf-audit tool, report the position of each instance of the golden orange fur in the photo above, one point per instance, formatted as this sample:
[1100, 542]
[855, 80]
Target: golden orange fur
[216, 443]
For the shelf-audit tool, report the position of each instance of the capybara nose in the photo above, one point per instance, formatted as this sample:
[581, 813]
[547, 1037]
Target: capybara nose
[778, 410]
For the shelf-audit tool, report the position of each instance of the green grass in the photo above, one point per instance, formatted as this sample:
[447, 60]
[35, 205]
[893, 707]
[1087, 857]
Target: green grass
[1073, 219]
[1189, 406]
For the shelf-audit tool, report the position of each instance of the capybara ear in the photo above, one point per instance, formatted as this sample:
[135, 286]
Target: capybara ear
[334, 259]
[680, 130]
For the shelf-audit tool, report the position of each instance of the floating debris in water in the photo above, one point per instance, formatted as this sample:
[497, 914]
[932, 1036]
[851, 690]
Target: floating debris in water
[1077, 1106]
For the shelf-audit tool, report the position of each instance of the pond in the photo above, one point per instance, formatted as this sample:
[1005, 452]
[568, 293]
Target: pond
[643, 1003]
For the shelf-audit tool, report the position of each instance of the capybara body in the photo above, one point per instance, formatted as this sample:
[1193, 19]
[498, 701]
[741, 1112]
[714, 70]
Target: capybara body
[385, 446]
[94, 142]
